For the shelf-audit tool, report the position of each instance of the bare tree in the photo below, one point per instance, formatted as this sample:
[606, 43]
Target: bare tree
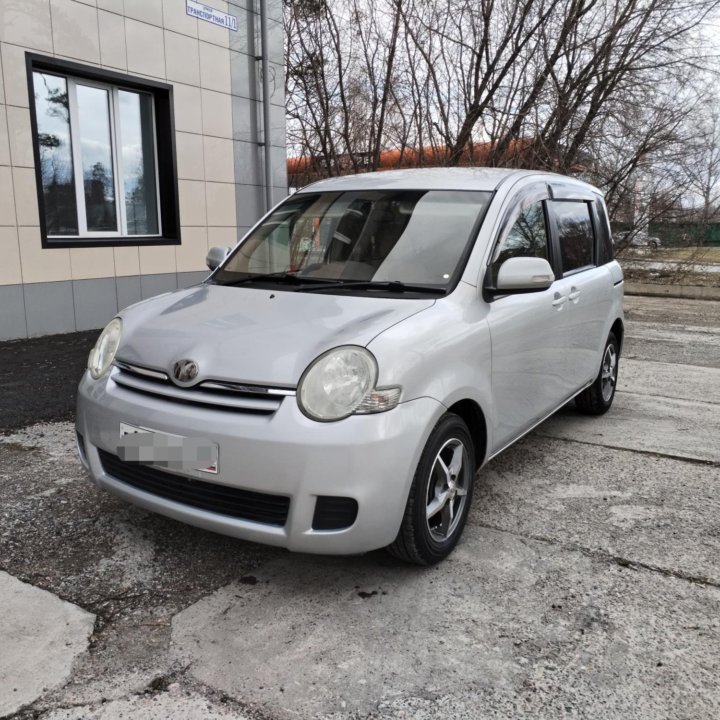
[577, 86]
[701, 164]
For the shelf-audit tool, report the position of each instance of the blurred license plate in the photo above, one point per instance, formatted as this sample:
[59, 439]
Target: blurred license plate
[150, 447]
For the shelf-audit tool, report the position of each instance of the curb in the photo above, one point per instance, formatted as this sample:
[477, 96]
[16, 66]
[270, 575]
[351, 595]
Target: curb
[688, 292]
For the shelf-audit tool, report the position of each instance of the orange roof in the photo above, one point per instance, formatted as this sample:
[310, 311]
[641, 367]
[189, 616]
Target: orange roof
[306, 167]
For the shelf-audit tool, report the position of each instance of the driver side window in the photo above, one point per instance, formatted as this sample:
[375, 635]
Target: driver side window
[527, 238]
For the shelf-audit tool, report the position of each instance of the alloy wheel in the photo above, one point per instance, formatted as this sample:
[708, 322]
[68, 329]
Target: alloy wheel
[609, 373]
[447, 490]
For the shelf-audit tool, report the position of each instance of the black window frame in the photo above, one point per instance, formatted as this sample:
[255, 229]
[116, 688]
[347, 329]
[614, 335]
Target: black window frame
[168, 206]
[555, 235]
[536, 193]
[603, 235]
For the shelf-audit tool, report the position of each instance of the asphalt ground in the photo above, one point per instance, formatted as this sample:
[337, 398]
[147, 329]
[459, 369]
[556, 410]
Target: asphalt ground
[39, 377]
[587, 584]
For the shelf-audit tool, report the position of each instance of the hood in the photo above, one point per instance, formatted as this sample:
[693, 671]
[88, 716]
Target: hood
[249, 335]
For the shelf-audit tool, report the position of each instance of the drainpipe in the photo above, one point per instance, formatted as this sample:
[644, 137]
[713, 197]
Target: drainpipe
[265, 69]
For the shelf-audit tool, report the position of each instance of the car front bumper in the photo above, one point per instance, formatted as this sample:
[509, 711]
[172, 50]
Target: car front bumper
[370, 458]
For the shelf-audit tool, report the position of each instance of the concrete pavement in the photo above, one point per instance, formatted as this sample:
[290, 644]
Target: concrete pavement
[587, 584]
[42, 636]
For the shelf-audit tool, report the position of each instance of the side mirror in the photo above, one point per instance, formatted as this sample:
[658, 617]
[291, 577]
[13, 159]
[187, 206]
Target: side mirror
[215, 256]
[524, 274]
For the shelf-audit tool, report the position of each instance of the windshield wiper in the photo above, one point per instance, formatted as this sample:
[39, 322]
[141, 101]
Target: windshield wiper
[394, 286]
[291, 278]
[283, 276]
[310, 284]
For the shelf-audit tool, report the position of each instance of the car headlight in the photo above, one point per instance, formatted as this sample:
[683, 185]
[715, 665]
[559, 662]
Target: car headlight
[102, 355]
[341, 382]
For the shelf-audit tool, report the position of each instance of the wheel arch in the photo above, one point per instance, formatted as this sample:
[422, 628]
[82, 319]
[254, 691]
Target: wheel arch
[473, 416]
[618, 329]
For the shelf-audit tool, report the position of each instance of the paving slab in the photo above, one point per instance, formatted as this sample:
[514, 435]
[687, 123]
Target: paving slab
[695, 313]
[670, 380]
[42, 637]
[629, 507]
[668, 409]
[690, 345]
[667, 426]
[506, 627]
[176, 705]
[672, 331]
[686, 334]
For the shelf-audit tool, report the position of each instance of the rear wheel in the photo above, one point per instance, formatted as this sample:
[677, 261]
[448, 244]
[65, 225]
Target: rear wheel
[440, 495]
[598, 398]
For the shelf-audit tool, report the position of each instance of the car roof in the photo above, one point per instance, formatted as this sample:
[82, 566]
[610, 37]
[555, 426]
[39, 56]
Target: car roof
[442, 178]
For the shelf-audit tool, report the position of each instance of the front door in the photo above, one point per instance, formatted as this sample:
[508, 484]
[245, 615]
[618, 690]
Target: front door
[528, 334]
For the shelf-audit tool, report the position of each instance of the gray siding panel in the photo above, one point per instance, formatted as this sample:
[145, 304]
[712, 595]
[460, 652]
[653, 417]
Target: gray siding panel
[275, 9]
[279, 193]
[276, 35]
[277, 87]
[245, 121]
[49, 308]
[12, 312]
[187, 279]
[248, 169]
[278, 128]
[279, 167]
[242, 68]
[249, 200]
[241, 40]
[151, 285]
[95, 302]
[128, 290]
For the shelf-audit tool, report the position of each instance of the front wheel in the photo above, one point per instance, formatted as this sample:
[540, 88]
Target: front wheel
[598, 398]
[440, 495]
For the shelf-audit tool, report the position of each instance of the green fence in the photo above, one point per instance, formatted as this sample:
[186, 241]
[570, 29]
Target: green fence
[679, 234]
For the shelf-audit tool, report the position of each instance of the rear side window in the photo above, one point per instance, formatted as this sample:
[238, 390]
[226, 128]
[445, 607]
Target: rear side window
[575, 234]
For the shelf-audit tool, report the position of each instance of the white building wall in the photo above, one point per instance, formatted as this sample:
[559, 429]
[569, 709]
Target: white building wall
[217, 97]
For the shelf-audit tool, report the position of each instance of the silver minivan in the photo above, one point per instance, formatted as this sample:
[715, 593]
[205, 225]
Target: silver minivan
[336, 382]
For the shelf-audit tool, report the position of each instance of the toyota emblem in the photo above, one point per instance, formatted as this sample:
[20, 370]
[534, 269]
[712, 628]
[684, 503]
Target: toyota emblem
[185, 371]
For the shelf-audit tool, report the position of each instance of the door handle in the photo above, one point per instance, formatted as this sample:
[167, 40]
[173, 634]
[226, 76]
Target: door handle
[559, 300]
[574, 294]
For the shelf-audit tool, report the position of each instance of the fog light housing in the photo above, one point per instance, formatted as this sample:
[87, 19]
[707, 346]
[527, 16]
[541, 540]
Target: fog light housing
[334, 513]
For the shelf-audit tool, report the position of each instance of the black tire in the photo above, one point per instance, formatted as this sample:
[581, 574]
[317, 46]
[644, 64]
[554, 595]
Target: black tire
[597, 399]
[420, 539]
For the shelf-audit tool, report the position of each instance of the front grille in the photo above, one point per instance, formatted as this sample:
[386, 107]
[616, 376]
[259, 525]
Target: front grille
[209, 393]
[334, 513]
[221, 499]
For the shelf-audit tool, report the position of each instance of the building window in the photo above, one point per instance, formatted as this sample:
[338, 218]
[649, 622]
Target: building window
[104, 157]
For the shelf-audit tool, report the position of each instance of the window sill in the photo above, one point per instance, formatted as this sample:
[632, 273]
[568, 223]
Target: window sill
[127, 241]
[575, 271]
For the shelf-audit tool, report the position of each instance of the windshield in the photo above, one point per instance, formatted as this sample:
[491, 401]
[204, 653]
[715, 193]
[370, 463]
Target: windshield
[360, 240]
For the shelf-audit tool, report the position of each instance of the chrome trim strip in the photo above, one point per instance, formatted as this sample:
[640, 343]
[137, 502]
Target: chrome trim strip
[155, 374]
[267, 392]
[251, 389]
[195, 396]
